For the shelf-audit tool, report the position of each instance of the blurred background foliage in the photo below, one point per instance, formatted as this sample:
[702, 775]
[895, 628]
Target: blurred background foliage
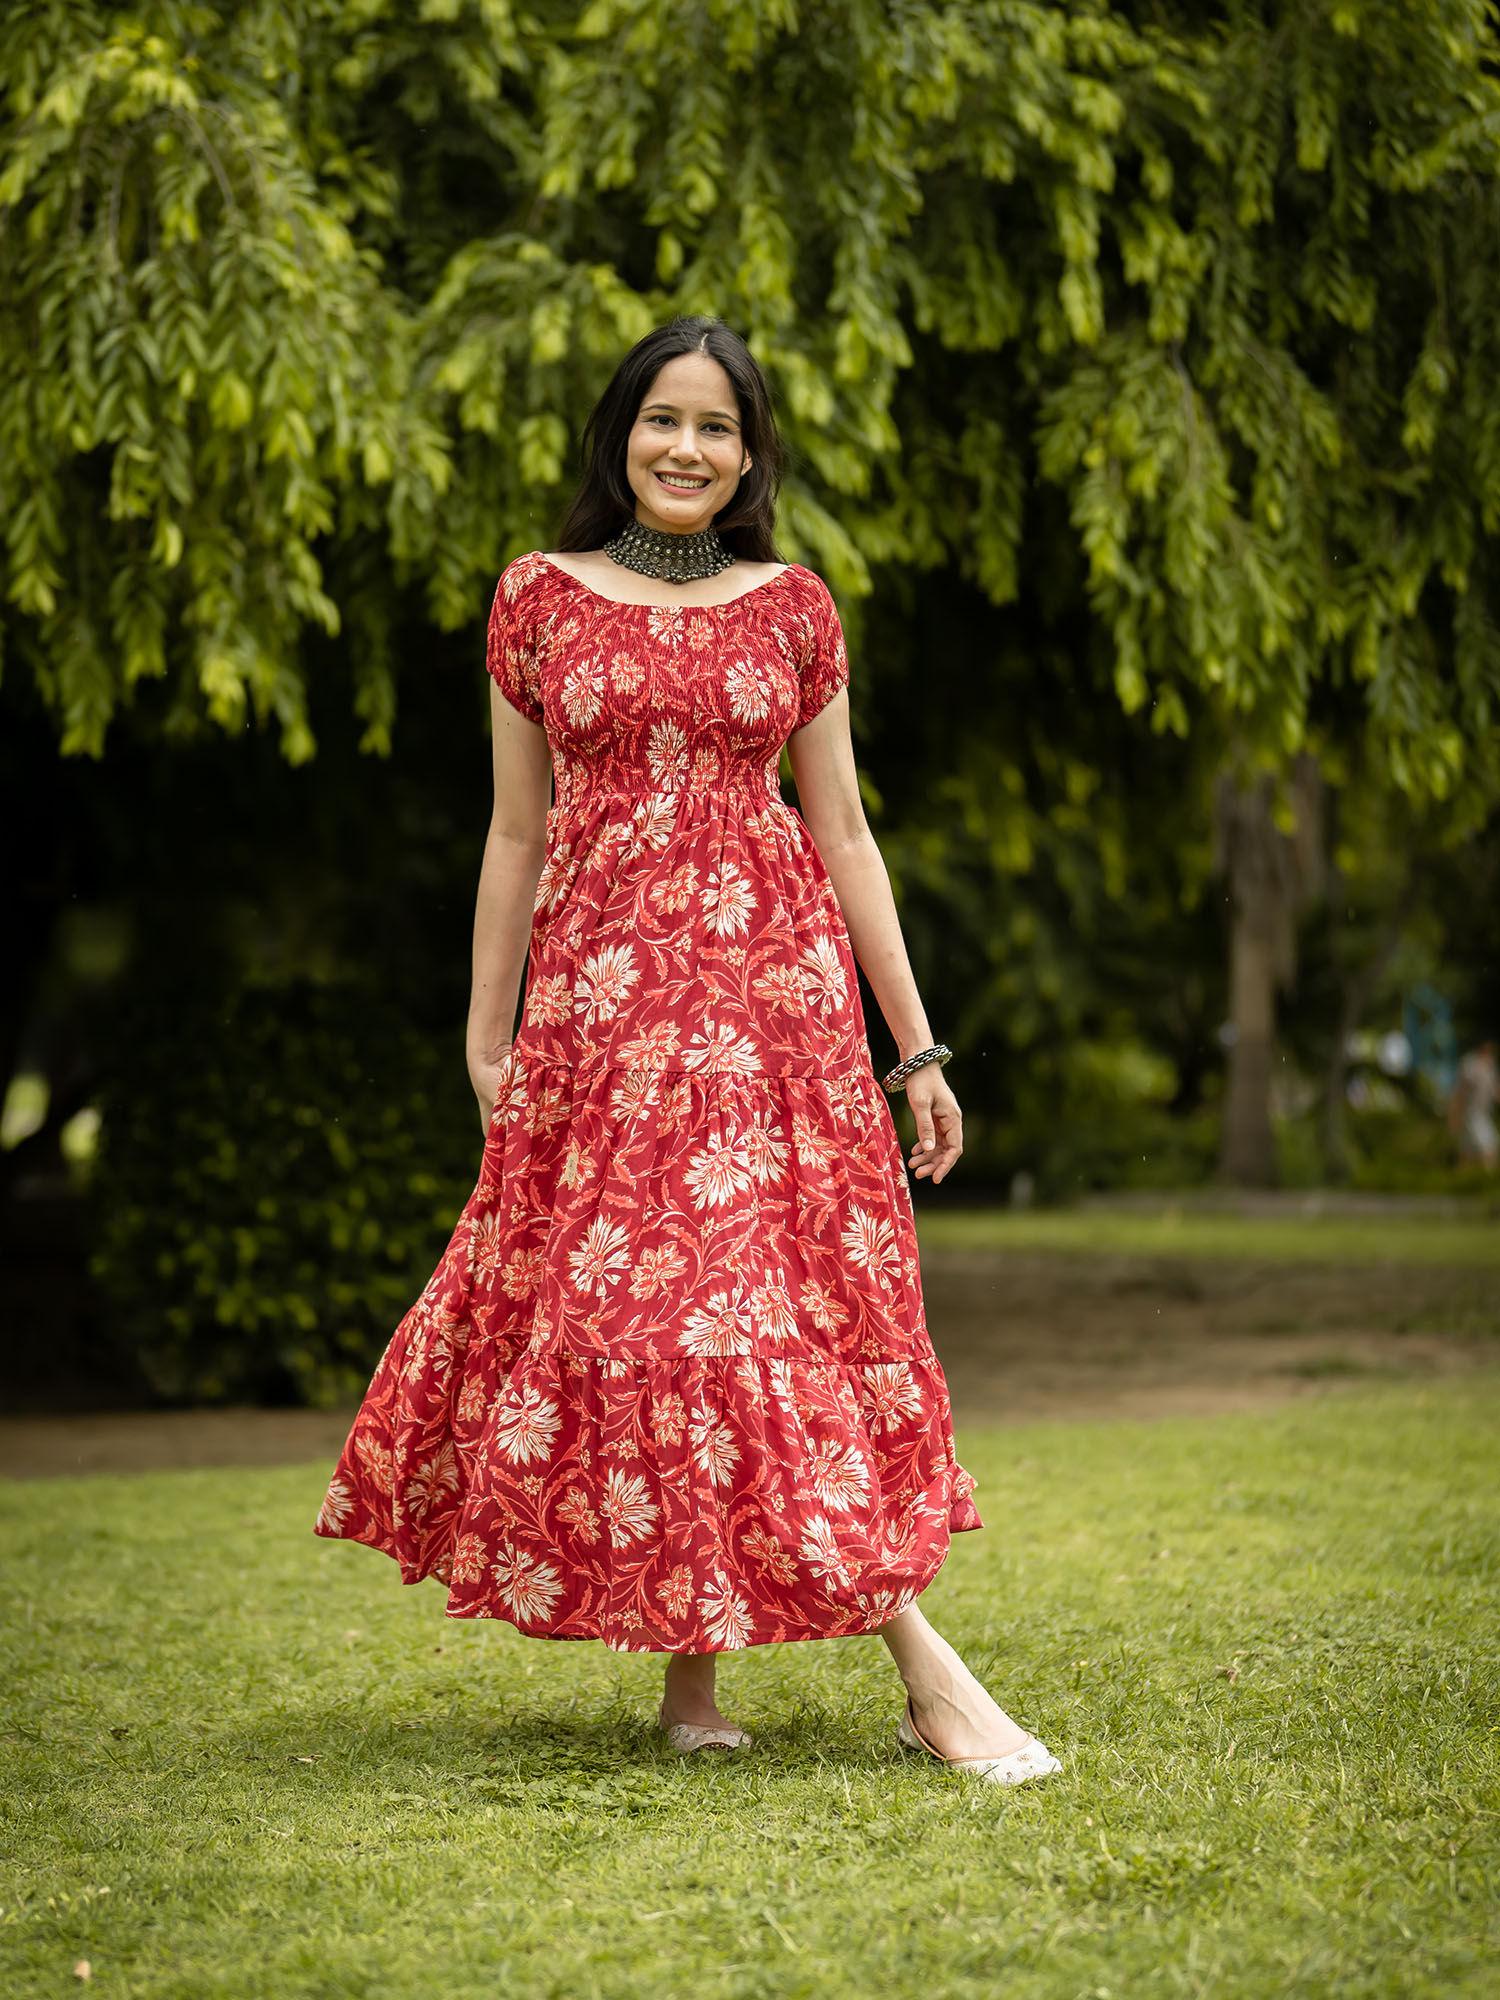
[1137, 366]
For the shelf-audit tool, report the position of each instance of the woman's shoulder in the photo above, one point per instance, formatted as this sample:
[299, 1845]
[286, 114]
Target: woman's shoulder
[522, 571]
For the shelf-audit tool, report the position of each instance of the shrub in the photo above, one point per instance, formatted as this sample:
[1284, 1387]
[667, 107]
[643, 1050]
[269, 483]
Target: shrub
[276, 1180]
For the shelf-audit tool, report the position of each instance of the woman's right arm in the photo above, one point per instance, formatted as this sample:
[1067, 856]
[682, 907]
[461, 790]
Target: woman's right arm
[514, 850]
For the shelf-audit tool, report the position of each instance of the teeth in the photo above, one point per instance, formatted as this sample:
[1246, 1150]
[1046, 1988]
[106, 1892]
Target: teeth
[687, 485]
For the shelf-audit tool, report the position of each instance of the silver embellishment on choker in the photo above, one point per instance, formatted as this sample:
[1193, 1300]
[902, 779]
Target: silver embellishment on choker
[668, 558]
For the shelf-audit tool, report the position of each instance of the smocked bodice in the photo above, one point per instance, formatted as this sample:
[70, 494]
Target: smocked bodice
[639, 698]
[684, 918]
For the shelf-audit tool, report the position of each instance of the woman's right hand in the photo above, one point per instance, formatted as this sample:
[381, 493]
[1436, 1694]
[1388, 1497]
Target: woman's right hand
[488, 1070]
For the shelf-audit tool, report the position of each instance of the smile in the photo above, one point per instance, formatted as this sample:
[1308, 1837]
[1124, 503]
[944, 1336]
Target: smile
[684, 482]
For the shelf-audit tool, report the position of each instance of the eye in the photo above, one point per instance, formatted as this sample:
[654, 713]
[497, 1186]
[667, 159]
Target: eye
[661, 417]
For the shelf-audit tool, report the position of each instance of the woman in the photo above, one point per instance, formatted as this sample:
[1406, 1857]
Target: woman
[671, 1385]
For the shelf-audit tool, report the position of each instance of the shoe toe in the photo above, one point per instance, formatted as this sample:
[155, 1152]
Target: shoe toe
[1032, 1760]
[687, 1738]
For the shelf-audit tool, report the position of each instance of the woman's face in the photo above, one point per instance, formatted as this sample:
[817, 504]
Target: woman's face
[685, 455]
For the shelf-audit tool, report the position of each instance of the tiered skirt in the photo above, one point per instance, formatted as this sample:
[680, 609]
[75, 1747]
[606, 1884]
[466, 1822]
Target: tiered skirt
[670, 1385]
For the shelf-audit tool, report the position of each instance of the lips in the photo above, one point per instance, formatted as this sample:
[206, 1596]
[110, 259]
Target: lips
[690, 485]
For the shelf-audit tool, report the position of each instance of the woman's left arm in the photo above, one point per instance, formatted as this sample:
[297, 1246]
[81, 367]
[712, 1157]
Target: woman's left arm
[822, 760]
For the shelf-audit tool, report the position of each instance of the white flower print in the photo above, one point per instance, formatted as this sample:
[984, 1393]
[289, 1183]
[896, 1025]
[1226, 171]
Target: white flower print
[676, 1591]
[604, 982]
[889, 1395]
[667, 753]
[626, 672]
[634, 1093]
[813, 1147]
[773, 1311]
[603, 1257]
[838, 1475]
[581, 691]
[780, 986]
[558, 869]
[433, 1478]
[719, 1327]
[728, 902]
[745, 691]
[654, 819]
[666, 624]
[657, 1269]
[881, 1606]
[897, 1542]
[782, 1382]
[725, 1613]
[653, 1048]
[338, 1503]
[374, 1455]
[527, 1585]
[489, 1245]
[870, 1243]
[522, 1274]
[549, 1001]
[425, 1354]
[824, 984]
[627, 1507]
[526, 1426]
[714, 1448]
[719, 1048]
[674, 892]
[770, 1555]
[847, 1097]
[468, 1559]
[718, 1173]
[820, 1549]
[822, 1308]
[766, 1149]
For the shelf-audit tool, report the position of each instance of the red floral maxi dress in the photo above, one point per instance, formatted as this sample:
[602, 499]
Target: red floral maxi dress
[671, 1384]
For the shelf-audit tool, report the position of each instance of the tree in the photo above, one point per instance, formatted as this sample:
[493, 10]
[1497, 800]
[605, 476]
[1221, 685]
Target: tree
[300, 307]
[1273, 873]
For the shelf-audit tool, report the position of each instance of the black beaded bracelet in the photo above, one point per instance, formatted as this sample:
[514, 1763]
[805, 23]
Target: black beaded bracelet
[895, 1080]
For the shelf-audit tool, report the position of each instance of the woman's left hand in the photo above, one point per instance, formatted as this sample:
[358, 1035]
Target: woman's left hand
[940, 1123]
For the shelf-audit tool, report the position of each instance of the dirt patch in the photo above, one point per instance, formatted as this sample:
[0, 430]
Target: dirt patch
[1026, 1336]
[1020, 1337]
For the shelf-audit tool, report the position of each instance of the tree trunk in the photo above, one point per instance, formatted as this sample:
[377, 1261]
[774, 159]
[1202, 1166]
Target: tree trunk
[1247, 1153]
[1271, 875]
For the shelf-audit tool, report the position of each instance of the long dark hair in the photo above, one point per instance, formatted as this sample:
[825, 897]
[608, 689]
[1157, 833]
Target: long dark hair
[605, 500]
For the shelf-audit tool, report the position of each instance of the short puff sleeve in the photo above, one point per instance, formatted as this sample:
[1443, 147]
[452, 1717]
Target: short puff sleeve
[825, 665]
[510, 650]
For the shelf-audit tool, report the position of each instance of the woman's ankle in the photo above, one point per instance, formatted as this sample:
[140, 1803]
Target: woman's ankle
[688, 1687]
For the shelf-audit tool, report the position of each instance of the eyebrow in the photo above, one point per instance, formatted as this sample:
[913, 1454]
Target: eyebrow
[673, 407]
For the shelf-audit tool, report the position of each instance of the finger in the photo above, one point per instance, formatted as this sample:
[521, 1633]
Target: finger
[944, 1156]
[935, 1164]
[926, 1131]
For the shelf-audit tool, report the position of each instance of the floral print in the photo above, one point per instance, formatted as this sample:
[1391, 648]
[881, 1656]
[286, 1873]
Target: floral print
[671, 1385]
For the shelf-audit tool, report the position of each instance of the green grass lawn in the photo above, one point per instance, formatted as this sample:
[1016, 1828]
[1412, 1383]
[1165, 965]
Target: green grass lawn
[246, 1762]
[1172, 1231]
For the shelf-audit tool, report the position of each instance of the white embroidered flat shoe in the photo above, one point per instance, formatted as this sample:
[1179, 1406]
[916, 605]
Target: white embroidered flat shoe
[687, 1737]
[1032, 1760]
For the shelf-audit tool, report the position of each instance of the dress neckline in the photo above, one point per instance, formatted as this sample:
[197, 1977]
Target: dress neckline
[629, 604]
